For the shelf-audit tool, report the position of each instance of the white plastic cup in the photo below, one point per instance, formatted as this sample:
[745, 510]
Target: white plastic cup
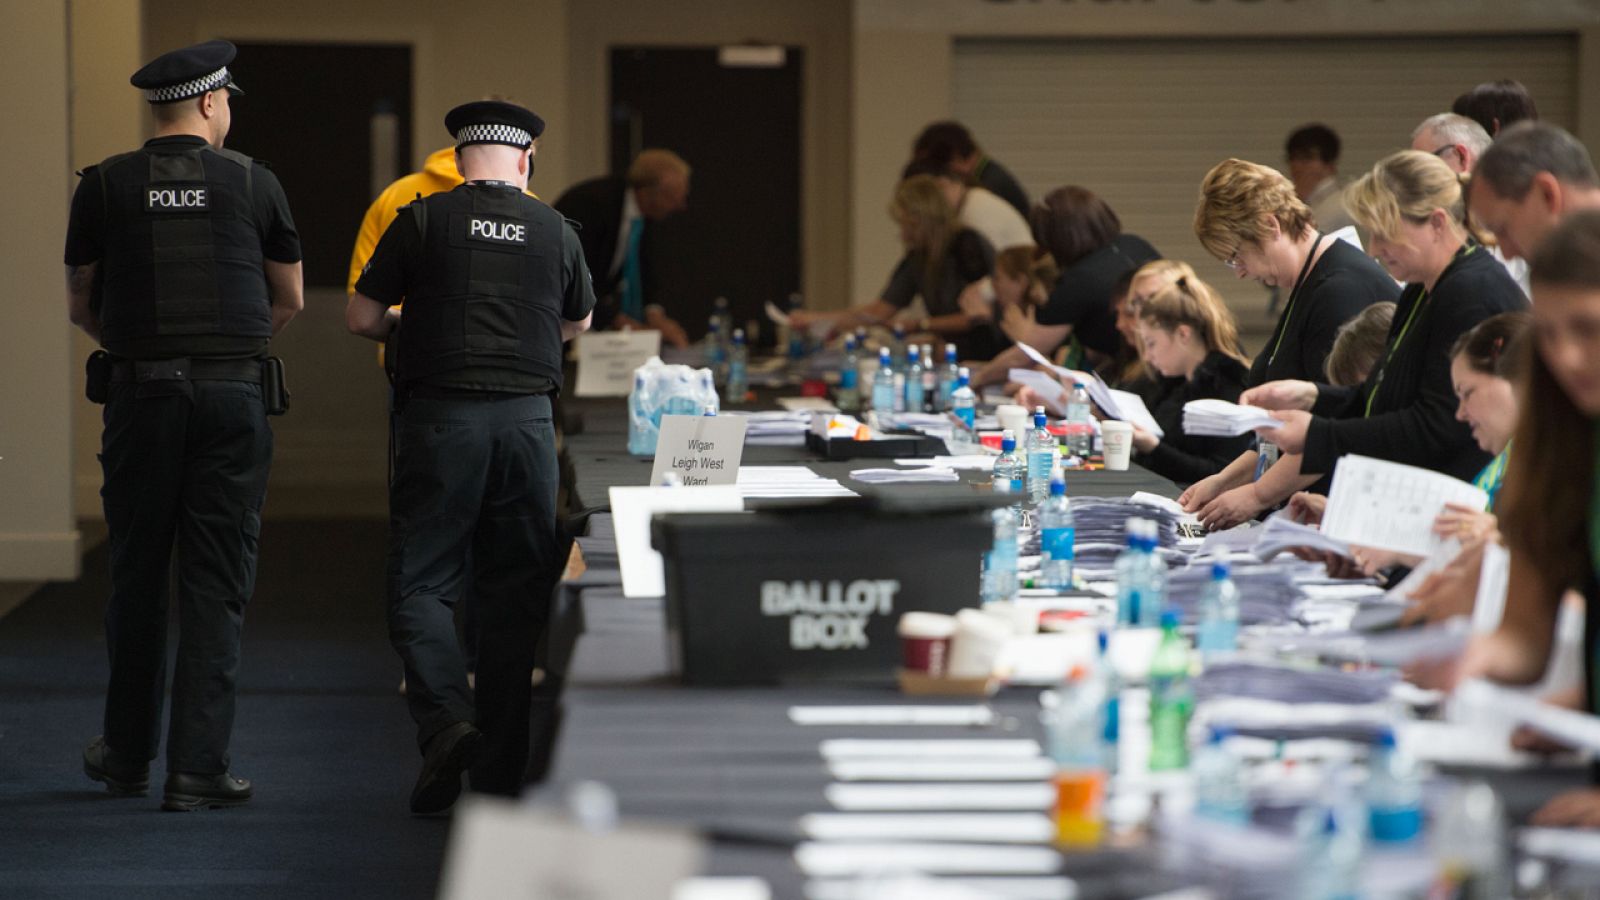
[1118, 440]
[1015, 418]
[976, 645]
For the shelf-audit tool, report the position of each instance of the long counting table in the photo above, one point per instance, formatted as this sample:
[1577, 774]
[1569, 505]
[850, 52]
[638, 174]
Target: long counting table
[728, 762]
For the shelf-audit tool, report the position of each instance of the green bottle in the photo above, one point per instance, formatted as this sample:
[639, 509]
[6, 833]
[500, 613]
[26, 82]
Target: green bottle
[1171, 700]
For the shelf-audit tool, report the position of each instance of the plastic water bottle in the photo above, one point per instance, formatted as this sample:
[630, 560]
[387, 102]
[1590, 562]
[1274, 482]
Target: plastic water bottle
[1042, 457]
[1155, 576]
[1009, 470]
[1394, 793]
[849, 394]
[797, 336]
[721, 316]
[1000, 574]
[883, 384]
[930, 381]
[738, 368]
[641, 431]
[1170, 698]
[708, 393]
[716, 350]
[1080, 423]
[1470, 845]
[866, 368]
[964, 405]
[899, 345]
[913, 380]
[949, 378]
[1331, 857]
[1111, 705]
[1220, 793]
[1129, 569]
[1072, 727]
[1057, 532]
[1219, 615]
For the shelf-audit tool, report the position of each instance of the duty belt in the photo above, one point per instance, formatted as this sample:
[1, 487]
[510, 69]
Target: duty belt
[141, 370]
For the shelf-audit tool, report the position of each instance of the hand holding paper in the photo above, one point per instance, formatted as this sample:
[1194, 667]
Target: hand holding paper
[1219, 418]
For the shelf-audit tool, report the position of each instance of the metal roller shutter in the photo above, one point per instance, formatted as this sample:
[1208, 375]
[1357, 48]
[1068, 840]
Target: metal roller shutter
[1141, 121]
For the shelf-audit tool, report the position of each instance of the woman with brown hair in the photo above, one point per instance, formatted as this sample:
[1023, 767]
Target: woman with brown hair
[1085, 238]
[941, 259]
[1550, 509]
[1187, 332]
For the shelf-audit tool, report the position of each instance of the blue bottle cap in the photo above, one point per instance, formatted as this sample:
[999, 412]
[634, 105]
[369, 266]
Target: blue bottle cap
[1008, 443]
[1103, 639]
[1386, 739]
[738, 335]
[1219, 571]
[1220, 733]
[883, 354]
[1058, 487]
[913, 353]
[849, 342]
[1039, 420]
[1169, 618]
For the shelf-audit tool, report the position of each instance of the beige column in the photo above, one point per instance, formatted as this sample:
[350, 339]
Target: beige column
[38, 534]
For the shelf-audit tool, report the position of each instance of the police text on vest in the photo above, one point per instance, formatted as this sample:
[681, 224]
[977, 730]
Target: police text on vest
[500, 232]
[176, 199]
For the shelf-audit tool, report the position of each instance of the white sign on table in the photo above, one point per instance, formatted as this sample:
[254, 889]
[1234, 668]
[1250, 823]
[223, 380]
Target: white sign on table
[701, 449]
[606, 360]
[631, 509]
[506, 850]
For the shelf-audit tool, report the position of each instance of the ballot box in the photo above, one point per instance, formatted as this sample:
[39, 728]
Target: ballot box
[812, 593]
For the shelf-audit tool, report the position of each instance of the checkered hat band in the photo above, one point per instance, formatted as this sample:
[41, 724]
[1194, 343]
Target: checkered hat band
[493, 134]
[192, 88]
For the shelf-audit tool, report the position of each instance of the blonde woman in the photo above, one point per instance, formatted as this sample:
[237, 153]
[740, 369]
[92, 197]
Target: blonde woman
[941, 259]
[1186, 332]
[1411, 203]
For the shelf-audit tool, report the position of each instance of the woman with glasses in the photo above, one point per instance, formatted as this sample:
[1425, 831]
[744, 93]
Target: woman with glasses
[1250, 218]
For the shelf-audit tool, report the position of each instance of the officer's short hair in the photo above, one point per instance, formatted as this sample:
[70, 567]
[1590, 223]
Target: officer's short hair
[650, 166]
[1315, 140]
[1505, 102]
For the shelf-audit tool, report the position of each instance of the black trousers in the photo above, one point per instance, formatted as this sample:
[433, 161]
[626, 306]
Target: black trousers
[473, 477]
[185, 467]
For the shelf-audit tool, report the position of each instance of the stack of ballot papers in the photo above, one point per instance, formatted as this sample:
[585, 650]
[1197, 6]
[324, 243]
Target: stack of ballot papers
[1267, 594]
[983, 462]
[1263, 681]
[774, 428]
[788, 481]
[1219, 418]
[1102, 527]
[902, 476]
[1281, 533]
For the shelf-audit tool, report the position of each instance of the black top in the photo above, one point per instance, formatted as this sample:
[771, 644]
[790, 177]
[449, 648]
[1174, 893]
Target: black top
[1187, 458]
[999, 180]
[280, 242]
[1082, 295]
[392, 270]
[595, 209]
[1343, 282]
[968, 259]
[1411, 415]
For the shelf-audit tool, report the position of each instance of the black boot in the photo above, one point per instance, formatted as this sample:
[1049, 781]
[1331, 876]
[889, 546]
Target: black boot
[187, 793]
[122, 777]
[450, 752]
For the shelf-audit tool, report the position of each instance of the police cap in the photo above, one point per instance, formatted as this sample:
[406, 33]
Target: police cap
[187, 72]
[493, 122]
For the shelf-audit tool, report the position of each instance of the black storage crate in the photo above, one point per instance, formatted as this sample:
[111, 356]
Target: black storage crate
[811, 594]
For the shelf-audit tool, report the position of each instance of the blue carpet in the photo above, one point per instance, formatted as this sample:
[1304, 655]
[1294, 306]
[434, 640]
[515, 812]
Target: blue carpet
[321, 731]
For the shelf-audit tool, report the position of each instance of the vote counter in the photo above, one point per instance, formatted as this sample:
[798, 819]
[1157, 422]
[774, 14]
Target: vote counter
[729, 762]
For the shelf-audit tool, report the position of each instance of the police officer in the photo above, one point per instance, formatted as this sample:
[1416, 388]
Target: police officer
[493, 283]
[182, 261]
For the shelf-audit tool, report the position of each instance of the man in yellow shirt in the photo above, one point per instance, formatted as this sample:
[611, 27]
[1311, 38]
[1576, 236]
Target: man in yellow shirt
[438, 174]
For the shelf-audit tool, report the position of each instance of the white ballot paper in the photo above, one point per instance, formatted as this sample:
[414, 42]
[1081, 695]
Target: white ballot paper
[996, 828]
[701, 449]
[1494, 577]
[606, 360]
[838, 858]
[631, 509]
[1129, 407]
[1375, 503]
[489, 856]
[1476, 698]
[1051, 392]
[1219, 418]
[1124, 406]
[859, 797]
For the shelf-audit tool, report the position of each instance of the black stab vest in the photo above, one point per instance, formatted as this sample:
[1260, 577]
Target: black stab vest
[183, 261]
[488, 288]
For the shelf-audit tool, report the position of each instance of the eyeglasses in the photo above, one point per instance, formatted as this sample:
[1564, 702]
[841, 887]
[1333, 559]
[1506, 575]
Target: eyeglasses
[1232, 261]
[1448, 148]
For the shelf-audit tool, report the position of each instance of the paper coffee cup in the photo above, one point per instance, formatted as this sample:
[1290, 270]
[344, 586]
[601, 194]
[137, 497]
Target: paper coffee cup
[925, 641]
[1118, 440]
[977, 643]
[1015, 418]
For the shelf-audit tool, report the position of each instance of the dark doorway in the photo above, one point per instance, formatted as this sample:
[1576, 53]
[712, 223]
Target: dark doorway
[322, 151]
[739, 128]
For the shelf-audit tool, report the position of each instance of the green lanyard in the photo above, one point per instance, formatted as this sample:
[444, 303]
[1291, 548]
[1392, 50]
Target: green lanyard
[1288, 309]
[1406, 328]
